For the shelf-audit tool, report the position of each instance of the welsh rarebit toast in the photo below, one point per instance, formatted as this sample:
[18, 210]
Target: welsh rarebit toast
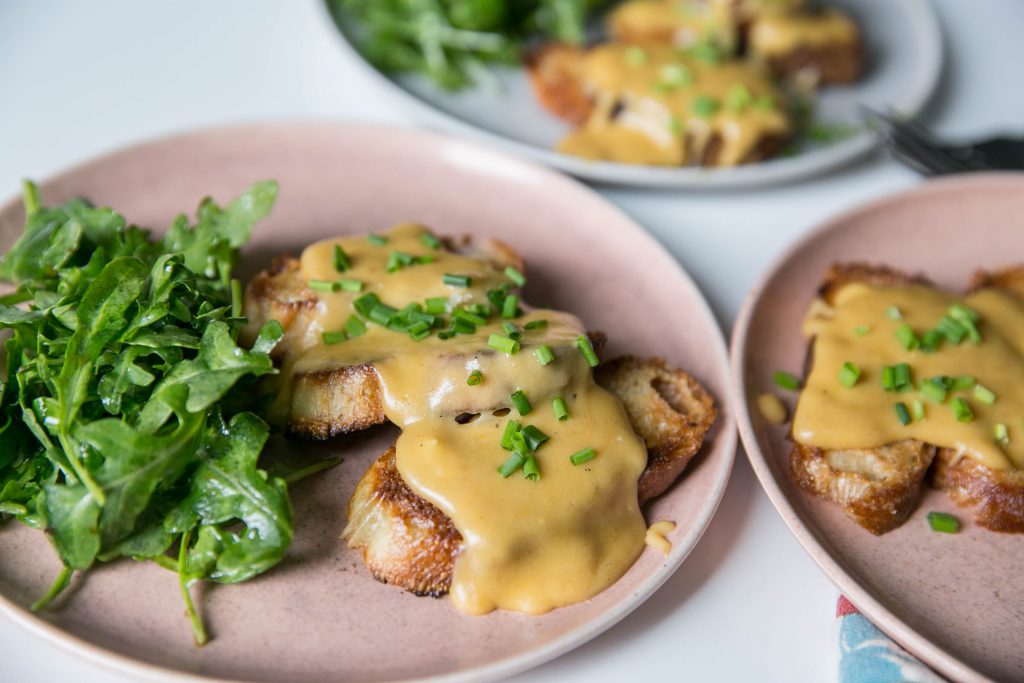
[879, 487]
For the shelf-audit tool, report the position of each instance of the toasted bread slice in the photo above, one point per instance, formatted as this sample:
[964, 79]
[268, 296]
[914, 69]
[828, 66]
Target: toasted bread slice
[408, 542]
[996, 496]
[876, 487]
[825, 45]
[338, 400]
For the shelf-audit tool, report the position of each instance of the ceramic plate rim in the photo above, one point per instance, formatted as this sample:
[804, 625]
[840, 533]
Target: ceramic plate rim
[835, 156]
[862, 597]
[725, 446]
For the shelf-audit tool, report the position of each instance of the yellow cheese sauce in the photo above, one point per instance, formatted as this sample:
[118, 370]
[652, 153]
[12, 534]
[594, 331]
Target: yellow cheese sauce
[656, 534]
[687, 22]
[657, 105]
[529, 546]
[858, 330]
[780, 34]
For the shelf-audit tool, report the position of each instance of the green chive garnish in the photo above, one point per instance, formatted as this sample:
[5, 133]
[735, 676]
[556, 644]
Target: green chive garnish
[437, 305]
[961, 382]
[543, 354]
[635, 56]
[902, 414]
[521, 403]
[533, 437]
[675, 76]
[513, 274]
[512, 331]
[503, 343]
[705, 106]
[463, 314]
[580, 457]
[530, 470]
[341, 260]
[538, 324]
[513, 463]
[475, 378]
[739, 98]
[560, 409]
[906, 336]
[456, 280]
[784, 380]
[430, 240]
[931, 340]
[1000, 433]
[962, 410]
[935, 389]
[893, 313]
[587, 349]
[943, 522]
[849, 374]
[968, 319]
[510, 308]
[511, 428]
[376, 240]
[862, 330]
[917, 407]
[984, 394]
[333, 337]
[355, 327]
[707, 52]
[901, 374]
[952, 330]
[323, 286]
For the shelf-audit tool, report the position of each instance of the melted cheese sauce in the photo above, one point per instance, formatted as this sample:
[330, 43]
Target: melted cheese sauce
[656, 534]
[686, 22]
[832, 416]
[637, 120]
[529, 546]
[781, 34]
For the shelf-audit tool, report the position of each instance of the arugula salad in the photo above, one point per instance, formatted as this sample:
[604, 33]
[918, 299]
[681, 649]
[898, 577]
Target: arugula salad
[127, 423]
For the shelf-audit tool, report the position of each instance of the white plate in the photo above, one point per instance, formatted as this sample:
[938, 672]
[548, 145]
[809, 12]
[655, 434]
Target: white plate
[904, 47]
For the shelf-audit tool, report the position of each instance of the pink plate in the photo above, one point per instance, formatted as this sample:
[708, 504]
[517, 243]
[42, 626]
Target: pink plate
[320, 616]
[954, 601]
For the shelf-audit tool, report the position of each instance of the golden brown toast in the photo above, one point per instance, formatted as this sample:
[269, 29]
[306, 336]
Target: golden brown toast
[338, 400]
[408, 542]
[878, 488]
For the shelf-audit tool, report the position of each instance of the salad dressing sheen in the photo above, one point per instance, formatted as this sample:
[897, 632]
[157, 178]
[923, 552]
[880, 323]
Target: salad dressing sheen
[832, 416]
[529, 546]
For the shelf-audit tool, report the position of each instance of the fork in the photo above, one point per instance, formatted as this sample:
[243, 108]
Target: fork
[919, 148]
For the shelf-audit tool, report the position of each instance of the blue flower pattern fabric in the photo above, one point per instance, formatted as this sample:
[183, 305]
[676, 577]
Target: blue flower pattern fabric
[866, 655]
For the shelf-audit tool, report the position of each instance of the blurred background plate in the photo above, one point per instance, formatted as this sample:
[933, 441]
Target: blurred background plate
[904, 48]
[952, 600]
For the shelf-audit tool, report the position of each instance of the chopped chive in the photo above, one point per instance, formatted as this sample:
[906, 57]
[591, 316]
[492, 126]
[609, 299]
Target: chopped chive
[530, 470]
[503, 343]
[456, 280]
[917, 408]
[510, 308]
[382, 314]
[560, 409]
[521, 403]
[889, 378]
[445, 335]
[675, 76]
[511, 427]
[785, 380]
[862, 330]
[350, 285]
[705, 106]
[418, 327]
[952, 330]
[587, 349]
[984, 394]
[513, 463]
[893, 313]
[437, 305]
[580, 457]
[497, 295]
[376, 240]
[901, 377]
[463, 314]
[333, 337]
[934, 389]
[1000, 433]
[398, 260]
[961, 382]
[706, 52]
[943, 522]
[906, 336]
[426, 258]
[962, 410]
[533, 437]
[849, 374]
[354, 327]
[430, 240]
[931, 340]
[341, 260]
[902, 414]
[635, 56]
[475, 378]
[961, 312]
[538, 324]
[543, 354]
[419, 334]
[513, 274]
[739, 98]
[365, 303]
[512, 331]
[323, 286]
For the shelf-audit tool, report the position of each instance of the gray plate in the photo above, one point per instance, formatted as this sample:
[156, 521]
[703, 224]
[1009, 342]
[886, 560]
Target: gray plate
[904, 45]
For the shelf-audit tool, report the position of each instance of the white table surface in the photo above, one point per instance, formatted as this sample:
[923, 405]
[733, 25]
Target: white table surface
[81, 78]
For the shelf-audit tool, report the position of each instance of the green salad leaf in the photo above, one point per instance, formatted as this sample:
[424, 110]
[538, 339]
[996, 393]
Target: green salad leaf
[453, 41]
[116, 433]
